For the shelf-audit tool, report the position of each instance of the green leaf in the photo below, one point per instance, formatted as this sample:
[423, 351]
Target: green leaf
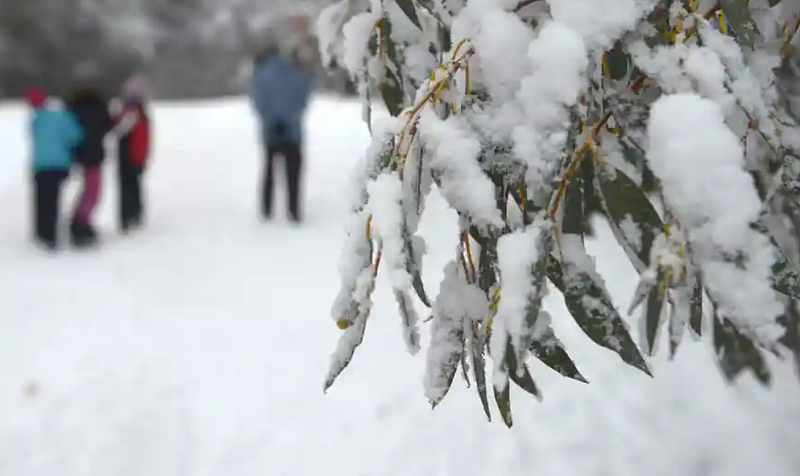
[636, 222]
[409, 320]
[594, 312]
[549, 349]
[737, 12]
[574, 207]
[392, 93]
[696, 306]
[736, 353]
[351, 338]
[520, 375]
[791, 336]
[503, 400]
[410, 10]
[391, 87]
[479, 368]
[538, 289]
[785, 279]
[655, 305]
[682, 308]
[618, 62]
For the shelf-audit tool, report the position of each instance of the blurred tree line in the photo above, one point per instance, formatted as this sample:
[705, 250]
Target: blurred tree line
[190, 48]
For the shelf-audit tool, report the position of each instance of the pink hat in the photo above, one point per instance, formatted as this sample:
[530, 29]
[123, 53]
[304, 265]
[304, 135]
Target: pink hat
[36, 97]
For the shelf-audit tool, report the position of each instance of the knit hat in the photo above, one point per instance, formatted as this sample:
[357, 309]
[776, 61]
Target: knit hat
[136, 87]
[35, 97]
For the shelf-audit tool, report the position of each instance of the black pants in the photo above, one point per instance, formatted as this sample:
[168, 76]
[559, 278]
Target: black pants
[130, 194]
[293, 161]
[47, 192]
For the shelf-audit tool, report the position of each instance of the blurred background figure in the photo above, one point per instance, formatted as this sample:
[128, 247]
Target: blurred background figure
[54, 135]
[280, 91]
[90, 106]
[133, 131]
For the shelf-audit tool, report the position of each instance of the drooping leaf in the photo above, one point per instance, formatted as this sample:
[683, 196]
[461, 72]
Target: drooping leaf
[410, 10]
[538, 290]
[737, 12]
[785, 279]
[391, 86]
[574, 207]
[653, 311]
[520, 374]
[618, 62]
[737, 353]
[549, 349]
[791, 336]
[636, 222]
[476, 346]
[447, 336]
[594, 312]
[353, 335]
[503, 400]
[681, 312]
[696, 306]
[409, 320]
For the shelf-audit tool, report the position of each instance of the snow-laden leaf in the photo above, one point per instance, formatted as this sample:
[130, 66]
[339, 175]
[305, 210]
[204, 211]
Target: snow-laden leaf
[475, 346]
[454, 308]
[785, 279]
[696, 306]
[681, 312]
[636, 222]
[791, 337]
[549, 349]
[519, 373]
[410, 10]
[503, 400]
[353, 336]
[654, 310]
[737, 12]
[737, 353]
[592, 309]
[409, 320]
[522, 261]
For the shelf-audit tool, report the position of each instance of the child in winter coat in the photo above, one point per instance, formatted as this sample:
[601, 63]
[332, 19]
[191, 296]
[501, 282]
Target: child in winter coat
[91, 109]
[133, 130]
[55, 133]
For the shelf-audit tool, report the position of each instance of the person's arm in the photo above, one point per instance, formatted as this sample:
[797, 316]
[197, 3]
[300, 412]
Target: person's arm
[73, 128]
[126, 123]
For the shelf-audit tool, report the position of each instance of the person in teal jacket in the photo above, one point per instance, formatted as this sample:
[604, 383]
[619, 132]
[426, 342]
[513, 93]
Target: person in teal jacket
[55, 133]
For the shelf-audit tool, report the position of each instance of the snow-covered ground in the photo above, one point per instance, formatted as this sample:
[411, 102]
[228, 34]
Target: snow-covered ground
[199, 346]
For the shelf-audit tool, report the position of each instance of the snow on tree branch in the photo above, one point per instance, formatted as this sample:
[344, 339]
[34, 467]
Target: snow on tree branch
[531, 117]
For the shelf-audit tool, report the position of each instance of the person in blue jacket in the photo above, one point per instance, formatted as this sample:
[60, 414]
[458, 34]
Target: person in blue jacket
[55, 133]
[280, 92]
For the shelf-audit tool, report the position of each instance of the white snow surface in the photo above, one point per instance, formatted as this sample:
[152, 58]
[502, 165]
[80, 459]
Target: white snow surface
[198, 346]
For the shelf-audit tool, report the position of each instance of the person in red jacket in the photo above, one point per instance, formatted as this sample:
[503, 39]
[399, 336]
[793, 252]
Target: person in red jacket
[133, 130]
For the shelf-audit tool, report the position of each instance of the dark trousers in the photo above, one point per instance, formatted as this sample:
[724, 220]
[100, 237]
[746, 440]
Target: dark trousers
[47, 192]
[130, 191]
[293, 161]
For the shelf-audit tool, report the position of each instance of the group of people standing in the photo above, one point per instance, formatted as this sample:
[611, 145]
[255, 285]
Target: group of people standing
[71, 134]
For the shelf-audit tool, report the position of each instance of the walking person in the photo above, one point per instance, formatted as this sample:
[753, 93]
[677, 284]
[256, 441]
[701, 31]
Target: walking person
[55, 133]
[280, 93]
[91, 108]
[133, 131]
